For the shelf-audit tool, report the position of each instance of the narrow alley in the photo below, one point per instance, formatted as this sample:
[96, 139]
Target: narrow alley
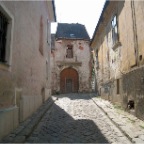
[72, 71]
[75, 118]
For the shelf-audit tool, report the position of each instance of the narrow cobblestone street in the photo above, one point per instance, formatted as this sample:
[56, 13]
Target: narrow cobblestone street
[76, 118]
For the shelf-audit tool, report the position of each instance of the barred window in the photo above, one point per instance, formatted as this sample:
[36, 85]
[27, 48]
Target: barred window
[114, 29]
[69, 51]
[3, 34]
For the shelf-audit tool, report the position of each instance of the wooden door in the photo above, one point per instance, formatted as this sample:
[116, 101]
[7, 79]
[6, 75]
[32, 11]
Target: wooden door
[69, 86]
[69, 81]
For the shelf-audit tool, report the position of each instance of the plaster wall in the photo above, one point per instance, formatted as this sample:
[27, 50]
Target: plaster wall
[80, 62]
[125, 63]
[24, 78]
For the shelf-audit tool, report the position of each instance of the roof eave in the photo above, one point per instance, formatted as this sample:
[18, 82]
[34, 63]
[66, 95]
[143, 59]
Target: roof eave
[72, 38]
[104, 8]
[54, 9]
[51, 11]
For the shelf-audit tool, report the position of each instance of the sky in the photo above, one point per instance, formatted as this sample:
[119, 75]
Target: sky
[86, 12]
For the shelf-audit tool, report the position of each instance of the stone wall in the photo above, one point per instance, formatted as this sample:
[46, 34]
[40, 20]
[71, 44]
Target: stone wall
[80, 62]
[133, 89]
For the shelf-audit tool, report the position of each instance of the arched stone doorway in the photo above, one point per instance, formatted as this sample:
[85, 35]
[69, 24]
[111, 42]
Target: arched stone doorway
[69, 81]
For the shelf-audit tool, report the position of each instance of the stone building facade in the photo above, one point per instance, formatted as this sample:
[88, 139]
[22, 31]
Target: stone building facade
[70, 59]
[118, 54]
[24, 59]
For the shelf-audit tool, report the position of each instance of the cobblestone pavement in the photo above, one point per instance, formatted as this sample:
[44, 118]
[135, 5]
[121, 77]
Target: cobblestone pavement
[130, 125]
[22, 132]
[75, 118]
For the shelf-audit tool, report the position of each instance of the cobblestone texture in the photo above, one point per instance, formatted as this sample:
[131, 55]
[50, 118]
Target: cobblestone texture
[75, 118]
[21, 133]
[130, 125]
[78, 118]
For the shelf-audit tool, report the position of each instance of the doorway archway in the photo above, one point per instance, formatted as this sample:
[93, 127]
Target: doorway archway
[69, 81]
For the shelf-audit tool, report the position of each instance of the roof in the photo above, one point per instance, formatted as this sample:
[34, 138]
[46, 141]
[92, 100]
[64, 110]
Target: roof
[100, 19]
[53, 4]
[72, 31]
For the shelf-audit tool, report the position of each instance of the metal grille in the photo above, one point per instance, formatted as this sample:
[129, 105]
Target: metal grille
[3, 32]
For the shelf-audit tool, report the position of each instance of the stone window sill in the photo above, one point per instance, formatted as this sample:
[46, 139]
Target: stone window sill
[116, 45]
[4, 66]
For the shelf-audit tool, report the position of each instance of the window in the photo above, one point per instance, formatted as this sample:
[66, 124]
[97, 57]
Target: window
[69, 51]
[47, 69]
[3, 35]
[118, 86]
[41, 31]
[48, 32]
[6, 36]
[96, 54]
[97, 63]
[114, 30]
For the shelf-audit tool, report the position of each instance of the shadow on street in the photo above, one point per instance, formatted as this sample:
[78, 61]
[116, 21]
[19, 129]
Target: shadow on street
[74, 96]
[57, 126]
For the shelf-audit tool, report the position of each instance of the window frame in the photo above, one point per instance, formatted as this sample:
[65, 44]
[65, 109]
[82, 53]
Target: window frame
[114, 26]
[117, 86]
[9, 38]
[3, 37]
[69, 49]
[48, 32]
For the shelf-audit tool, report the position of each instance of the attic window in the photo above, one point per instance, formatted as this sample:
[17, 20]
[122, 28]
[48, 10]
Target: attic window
[72, 35]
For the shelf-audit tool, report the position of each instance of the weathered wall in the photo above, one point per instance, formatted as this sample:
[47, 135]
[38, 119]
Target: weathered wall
[139, 17]
[80, 62]
[133, 89]
[26, 76]
[122, 63]
[9, 120]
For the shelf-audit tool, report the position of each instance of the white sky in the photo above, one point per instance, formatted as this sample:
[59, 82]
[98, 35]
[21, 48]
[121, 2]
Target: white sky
[85, 12]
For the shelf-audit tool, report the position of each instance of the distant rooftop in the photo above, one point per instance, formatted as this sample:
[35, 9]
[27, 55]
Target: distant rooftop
[71, 31]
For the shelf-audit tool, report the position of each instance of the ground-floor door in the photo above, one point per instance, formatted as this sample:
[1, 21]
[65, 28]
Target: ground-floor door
[69, 81]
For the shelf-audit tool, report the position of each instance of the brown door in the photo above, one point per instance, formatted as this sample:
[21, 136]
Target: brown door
[69, 86]
[69, 81]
